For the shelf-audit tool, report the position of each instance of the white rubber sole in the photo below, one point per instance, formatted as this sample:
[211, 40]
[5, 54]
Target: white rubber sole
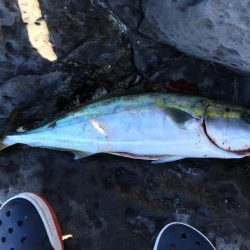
[179, 223]
[47, 215]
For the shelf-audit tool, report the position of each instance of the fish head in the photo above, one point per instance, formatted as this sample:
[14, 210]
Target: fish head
[228, 127]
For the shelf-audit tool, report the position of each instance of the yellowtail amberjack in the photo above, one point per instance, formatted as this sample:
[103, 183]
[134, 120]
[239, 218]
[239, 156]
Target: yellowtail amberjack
[158, 127]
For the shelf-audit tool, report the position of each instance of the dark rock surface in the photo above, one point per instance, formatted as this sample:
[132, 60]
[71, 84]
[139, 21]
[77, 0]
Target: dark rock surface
[109, 202]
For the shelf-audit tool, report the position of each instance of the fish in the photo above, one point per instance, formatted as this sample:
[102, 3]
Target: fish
[160, 127]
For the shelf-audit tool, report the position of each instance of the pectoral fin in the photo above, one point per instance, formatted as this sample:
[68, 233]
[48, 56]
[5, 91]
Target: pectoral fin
[178, 116]
[168, 158]
[79, 154]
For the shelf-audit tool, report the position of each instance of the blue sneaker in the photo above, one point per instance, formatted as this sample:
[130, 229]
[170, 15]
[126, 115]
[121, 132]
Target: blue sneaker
[27, 222]
[180, 236]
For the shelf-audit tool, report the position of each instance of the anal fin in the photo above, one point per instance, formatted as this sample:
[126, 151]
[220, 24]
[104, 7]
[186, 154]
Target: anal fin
[79, 154]
[135, 156]
[168, 158]
[154, 158]
[2, 146]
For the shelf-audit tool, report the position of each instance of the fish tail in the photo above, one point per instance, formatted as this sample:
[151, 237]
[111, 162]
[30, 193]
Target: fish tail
[5, 141]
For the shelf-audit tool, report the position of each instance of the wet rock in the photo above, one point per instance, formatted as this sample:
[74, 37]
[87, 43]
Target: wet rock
[99, 93]
[109, 182]
[20, 101]
[161, 63]
[17, 56]
[212, 30]
[100, 35]
[8, 13]
[129, 11]
[142, 224]
[126, 179]
[78, 32]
